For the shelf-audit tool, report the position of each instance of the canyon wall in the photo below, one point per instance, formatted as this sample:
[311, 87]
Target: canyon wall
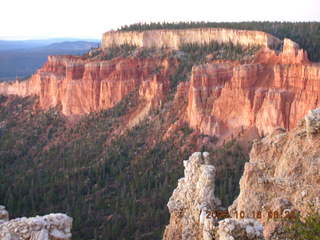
[82, 86]
[223, 98]
[282, 176]
[226, 99]
[174, 38]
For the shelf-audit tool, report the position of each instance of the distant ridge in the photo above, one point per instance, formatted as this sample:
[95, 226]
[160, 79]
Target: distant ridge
[33, 43]
[22, 58]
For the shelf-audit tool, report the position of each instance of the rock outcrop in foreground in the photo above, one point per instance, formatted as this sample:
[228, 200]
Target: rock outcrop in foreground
[49, 227]
[193, 203]
[193, 197]
[4, 215]
[280, 181]
[234, 229]
[282, 177]
[174, 38]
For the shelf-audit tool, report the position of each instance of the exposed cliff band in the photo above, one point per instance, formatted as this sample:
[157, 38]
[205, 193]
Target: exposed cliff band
[223, 98]
[174, 38]
[82, 86]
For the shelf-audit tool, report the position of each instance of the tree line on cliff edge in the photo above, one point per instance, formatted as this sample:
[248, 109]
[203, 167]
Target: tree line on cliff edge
[306, 34]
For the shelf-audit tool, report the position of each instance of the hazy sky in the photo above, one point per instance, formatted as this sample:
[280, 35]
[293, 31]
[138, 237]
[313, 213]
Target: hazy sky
[78, 18]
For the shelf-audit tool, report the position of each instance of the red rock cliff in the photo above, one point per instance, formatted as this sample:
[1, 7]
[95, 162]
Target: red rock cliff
[223, 99]
[277, 89]
[83, 86]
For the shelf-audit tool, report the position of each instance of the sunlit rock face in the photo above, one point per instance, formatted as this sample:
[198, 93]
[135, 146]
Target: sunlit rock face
[49, 227]
[193, 208]
[282, 177]
[174, 38]
[191, 200]
[290, 54]
[280, 181]
[225, 99]
[82, 86]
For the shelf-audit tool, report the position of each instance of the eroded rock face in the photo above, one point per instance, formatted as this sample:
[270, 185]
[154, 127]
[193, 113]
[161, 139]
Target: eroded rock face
[290, 54]
[191, 200]
[194, 209]
[282, 177]
[82, 86]
[49, 227]
[174, 38]
[225, 99]
[312, 120]
[222, 98]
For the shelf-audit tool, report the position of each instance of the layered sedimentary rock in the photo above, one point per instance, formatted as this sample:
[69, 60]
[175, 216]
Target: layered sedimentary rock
[226, 99]
[174, 38]
[282, 177]
[290, 54]
[82, 86]
[223, 98]
[49, 227]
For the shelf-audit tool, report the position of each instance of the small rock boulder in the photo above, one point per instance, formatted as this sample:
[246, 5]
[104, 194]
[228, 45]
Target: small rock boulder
[244, 229]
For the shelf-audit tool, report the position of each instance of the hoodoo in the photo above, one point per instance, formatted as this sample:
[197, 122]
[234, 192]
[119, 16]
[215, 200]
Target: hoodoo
[223, 98]
[280, 180]
[102, 136]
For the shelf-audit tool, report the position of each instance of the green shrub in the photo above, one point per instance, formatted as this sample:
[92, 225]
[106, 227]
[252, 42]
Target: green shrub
[304, 228]
[124, 50]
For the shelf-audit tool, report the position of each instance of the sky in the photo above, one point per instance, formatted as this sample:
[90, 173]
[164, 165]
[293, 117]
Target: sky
[38, 19]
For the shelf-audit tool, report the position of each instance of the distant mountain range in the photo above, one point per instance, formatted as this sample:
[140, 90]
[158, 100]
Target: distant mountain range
[22, 58]
[28, 44]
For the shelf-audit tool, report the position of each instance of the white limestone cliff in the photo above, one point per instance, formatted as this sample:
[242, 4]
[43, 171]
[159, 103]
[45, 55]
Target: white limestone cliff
[174, 38]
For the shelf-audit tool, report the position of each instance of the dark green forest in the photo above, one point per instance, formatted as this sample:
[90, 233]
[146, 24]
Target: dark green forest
[307, 34]
[116, 184]
[114, 187]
